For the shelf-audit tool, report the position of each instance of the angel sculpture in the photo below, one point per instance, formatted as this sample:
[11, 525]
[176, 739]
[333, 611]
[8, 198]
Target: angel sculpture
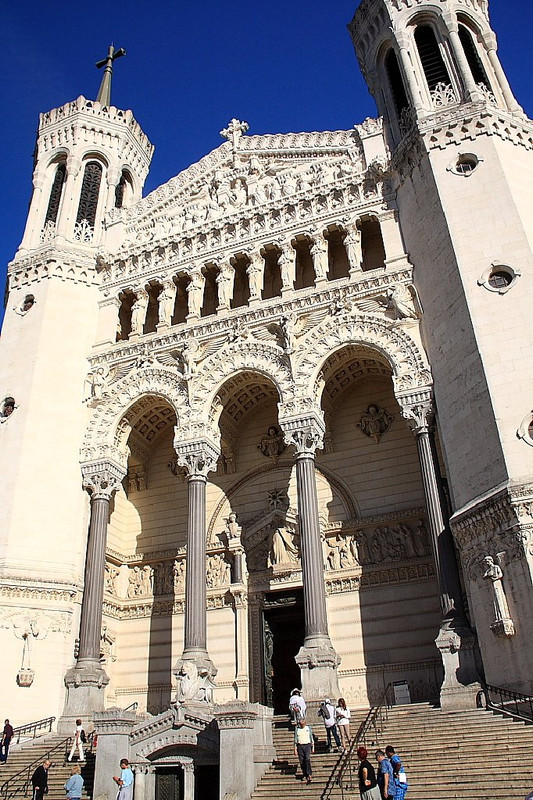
[402, 301]
[96, 384]
[290, 329]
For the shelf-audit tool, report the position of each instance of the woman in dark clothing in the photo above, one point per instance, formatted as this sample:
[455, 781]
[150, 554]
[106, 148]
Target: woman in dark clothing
[368, 785]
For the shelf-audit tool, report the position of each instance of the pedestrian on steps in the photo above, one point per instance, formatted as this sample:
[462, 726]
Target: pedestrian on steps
[385, 776]
[74, 785]
[39, 780]
[79, 738]
[297, 706]
[342, 713]
[304, 746]
[7, 735]
[399, 776]
[327, 712]
[125, 781]
[368, 785]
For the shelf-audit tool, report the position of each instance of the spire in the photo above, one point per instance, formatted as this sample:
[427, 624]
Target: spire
[104, 93]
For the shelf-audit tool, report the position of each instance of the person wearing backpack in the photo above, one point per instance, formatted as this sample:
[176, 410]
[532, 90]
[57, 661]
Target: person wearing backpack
[79, 738]
[327, 712]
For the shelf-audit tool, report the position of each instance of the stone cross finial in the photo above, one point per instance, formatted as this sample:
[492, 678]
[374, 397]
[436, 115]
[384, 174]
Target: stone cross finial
[234, 131]
[104, 93]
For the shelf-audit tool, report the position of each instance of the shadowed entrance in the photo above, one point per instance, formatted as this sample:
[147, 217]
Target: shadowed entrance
[283, 635]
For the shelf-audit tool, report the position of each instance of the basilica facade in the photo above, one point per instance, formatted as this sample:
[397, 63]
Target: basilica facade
[270, 425]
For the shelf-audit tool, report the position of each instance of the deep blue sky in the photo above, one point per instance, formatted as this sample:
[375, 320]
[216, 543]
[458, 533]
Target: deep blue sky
[282, 66]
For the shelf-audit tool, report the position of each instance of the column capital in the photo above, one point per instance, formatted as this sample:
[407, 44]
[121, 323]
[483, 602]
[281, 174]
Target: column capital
[418, 409]
[305, 433]
[102, 479]
[199, 456]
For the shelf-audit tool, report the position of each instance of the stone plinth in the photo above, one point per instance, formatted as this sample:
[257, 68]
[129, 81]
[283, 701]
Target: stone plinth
[113, 728]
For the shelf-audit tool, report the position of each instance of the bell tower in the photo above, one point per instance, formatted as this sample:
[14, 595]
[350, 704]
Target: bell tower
[90, 157]
[461, 153]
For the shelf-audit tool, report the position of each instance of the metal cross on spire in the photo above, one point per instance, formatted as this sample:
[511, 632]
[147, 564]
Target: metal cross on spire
[104, 93]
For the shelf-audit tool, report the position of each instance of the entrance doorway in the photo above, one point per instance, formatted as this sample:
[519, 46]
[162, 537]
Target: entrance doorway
[283, 635]
[169, 784]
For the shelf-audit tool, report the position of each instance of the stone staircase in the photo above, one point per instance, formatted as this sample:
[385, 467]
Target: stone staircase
[463, 755]
[21, 765]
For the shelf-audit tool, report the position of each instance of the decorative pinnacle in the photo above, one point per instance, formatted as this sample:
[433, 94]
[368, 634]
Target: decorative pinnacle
[234, 131]
[104, 93]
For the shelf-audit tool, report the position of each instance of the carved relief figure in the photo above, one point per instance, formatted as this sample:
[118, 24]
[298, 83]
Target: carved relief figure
[111, 575]
[217, 573]
[179, 575]
[374, 422]
[494, 574]
[167, 298]
[192, 685]
[140, 582]
[285, 548]
[401, 301]
[272, 445]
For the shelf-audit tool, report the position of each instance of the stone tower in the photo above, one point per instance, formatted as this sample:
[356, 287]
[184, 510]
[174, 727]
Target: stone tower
[89, 158]
[461, 159]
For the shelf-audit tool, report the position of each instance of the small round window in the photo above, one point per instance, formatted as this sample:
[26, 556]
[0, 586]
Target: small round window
[525, 431]
[499, 278]
[464, 164]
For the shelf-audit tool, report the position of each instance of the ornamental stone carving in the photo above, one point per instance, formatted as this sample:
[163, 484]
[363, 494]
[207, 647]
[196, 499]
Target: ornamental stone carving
[375, 422]
[272, 445]
[493, 574]
[198, 457]
[102, 479]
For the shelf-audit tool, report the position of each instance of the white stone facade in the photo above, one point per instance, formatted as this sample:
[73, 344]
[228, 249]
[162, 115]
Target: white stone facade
[290, 300]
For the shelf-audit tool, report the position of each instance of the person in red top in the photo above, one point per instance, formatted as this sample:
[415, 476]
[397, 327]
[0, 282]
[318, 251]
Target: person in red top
[7, 735]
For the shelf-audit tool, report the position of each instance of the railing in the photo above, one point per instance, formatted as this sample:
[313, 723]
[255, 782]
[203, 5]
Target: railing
[506, 701]
[132, 707]
[19, 785]
[31, 728]
[369, 731]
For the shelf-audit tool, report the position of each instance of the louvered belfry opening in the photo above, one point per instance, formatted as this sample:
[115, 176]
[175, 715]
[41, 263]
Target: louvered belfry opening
[472, 56]
[56, 193]
[90, 190]
[397, 88]
[430, 56]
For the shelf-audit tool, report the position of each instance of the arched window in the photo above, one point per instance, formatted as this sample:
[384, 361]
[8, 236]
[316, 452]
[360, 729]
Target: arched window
[123, 190]
[399, 96]
[90, 190]
[431, 57]
[56, 193]
[472, 56]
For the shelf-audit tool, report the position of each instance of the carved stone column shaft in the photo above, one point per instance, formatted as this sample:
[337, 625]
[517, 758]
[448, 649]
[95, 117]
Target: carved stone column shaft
[195, 583]
[91, 607]
[316, 625]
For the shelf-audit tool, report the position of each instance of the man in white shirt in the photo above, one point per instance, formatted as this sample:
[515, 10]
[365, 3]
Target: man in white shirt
[297, 706]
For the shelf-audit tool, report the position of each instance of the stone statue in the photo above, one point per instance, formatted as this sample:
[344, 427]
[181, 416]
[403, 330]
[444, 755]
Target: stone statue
[255, 276]
[138, 311]
[167, 298]
[233, 529]
[195, 293]
[224, 280]
[401, 301]
[319, 251]
[286, 267]
[287, 326]
[179, 575]
[111, 575]
[375, 422]
[284, 549]
[494, 574]
[352, 243]
[272, 445]
[193, 685]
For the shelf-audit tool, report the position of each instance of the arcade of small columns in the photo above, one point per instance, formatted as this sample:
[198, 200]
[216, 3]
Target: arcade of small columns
[251, 274]
[317, 658]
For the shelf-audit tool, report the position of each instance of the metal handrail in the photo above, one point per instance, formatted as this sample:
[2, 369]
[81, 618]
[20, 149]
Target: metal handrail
[514, 704]
[132, 706]
[371, 725]
[33, 727]
[17, 786]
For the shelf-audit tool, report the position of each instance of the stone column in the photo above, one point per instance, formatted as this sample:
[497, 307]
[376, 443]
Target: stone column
[188, 779]
[71, 198]
[411, 88]
[501, 77]
[317, 659]
[242, 677]
[199, 458]
[86, 680]
[144, 784]
[395, 255]
[455, 641]
[472, 92]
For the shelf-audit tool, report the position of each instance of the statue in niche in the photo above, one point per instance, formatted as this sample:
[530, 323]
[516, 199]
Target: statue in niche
[284, 549]
[167, 298]
[494, 575]
[375, 422]
[319, 251]
[401, 301]
[255, 276]
[272, 445]
[195, 293]
[192, 685]
[179, 575]
[286, 267]
[138, 311]
[352, 243]
[224, 281]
